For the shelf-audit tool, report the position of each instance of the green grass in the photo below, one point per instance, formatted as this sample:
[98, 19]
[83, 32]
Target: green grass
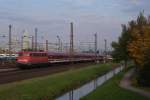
[48, 87]
[111, 91]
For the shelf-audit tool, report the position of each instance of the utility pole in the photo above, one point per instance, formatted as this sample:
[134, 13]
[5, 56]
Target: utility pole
[71, 39]
[36, 30]
[105, 47]
[32, 42]
[61, 46]
[46, 45]
[59, 43]
[105, 51]
[95, 35]
[10, 27]
[22, 37]
[95, 43]
[22, 42]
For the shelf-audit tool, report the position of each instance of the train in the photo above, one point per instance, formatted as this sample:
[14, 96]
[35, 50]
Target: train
[30, 59]
[6, 57]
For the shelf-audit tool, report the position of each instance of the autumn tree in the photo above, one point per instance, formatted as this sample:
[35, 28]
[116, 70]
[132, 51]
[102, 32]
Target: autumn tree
[139, 47]
[134, 43]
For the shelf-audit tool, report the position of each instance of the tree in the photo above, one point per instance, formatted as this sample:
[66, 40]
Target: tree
[120, 52]
[140, 45]
[139, 50]
[134, 44]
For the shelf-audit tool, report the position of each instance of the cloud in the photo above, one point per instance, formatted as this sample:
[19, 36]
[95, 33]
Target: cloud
[54, 16]
[131, 8]
[81, 2]
[136, 2]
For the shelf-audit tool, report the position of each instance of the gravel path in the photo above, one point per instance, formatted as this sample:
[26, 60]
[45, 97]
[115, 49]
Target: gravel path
[126, 83]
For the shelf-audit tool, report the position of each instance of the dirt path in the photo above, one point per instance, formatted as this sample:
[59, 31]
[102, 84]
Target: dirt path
[126, 83]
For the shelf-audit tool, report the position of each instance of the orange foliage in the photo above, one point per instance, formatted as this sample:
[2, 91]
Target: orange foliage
[139, 44]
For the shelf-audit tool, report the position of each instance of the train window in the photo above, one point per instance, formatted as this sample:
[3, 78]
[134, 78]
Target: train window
[31, 54]
[35, 54]
[20, 54]
[45, 54]
[38, 54]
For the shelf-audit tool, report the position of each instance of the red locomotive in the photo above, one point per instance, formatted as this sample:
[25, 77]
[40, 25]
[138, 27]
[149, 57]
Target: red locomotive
[29, 58]
[32, 58]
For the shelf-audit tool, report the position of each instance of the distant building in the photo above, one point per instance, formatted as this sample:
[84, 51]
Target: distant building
[26, 40]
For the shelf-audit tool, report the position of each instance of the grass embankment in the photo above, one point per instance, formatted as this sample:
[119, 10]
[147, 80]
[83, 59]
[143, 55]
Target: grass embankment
[111, 91]
[46, 88]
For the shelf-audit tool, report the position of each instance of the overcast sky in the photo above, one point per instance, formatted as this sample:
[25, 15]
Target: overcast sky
[53, 17]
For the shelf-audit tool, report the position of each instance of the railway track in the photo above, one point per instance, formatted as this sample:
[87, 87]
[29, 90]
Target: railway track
[18, 75]
[3, 70]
